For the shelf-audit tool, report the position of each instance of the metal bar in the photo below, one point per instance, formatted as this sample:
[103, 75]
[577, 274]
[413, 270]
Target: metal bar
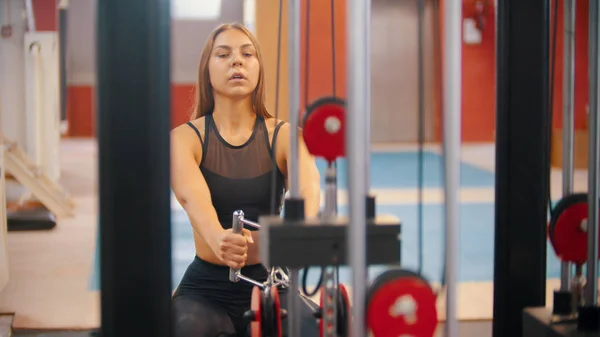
[568, 119]
[329, 311]
[250, 223]
[367, 122]
[421, 129]
[133, 101]
[236, 228]
[522, 117]
[451, 146]
[63, 9]
[295, 305]
[30, 15]
[249, 280]
[591, 291]
[356, 151]
[330, 193]
[294, 15]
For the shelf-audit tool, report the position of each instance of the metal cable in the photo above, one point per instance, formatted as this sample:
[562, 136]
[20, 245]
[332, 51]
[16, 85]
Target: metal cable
[274, 156]
[421, 135]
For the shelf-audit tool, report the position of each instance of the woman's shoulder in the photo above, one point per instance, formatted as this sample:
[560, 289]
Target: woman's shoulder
[197, 123]
[189, 130]
[273, 123]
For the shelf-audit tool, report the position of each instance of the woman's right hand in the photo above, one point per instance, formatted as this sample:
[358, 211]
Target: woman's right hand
[232, 248]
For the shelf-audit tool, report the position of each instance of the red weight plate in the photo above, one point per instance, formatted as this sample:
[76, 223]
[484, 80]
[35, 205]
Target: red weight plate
[256, 307]
[390, 275]
[343, 312]
[322, 304]
[277, 309]
[346, 314]
[403, 306]
[569, 240]
[561, 205]
[324, 128]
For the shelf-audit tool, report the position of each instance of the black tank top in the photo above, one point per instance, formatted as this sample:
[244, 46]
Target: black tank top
[241, 177]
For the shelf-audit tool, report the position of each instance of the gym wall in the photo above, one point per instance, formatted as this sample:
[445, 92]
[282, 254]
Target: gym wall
[187, 39]
[394, 64]
[581, 86]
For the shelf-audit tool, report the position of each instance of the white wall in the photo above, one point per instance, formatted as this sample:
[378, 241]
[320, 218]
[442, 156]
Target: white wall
[4, 275]
[394, 71]
[188, 35]
[12, 65]
[12, 81]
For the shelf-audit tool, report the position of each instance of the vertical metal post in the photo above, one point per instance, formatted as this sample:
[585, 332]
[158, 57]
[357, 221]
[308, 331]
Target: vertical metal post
[568, 119]
[451, 145]
[356, 150]
[63, 8]
[367, 122]
[591, 291]
[133, 104]
[294, 15]
[522, 117]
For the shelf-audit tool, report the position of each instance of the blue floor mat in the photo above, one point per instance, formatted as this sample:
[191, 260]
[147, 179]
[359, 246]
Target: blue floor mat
[476, 243]
[399, 170]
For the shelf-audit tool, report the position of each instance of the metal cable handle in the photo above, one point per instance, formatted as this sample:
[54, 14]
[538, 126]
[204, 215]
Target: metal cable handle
[237, 224]
[237, 229]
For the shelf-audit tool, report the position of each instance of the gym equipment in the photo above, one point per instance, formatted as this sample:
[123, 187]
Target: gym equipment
[277, 276]
[42, 187]
[323, 128]
[62, 19]
[265, 313]
[133, 86]
[568, 228]
[399, 303]
[37, 218]
[589, 312]
[290, 241]
[55, 200]
[334, 319]
[563, 297]
[568, 236]
[573, 227]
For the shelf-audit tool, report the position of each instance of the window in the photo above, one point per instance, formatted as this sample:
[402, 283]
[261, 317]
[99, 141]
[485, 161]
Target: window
[195, 9]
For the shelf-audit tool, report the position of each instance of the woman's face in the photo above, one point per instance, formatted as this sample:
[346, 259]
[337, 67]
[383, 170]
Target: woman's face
[233, 66]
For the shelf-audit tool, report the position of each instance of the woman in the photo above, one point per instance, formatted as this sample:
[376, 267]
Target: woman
[222, 160]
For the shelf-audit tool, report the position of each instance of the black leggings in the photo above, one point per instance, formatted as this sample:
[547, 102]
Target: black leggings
[207, 304]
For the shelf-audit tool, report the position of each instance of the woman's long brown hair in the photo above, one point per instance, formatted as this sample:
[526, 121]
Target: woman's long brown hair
[204, 99]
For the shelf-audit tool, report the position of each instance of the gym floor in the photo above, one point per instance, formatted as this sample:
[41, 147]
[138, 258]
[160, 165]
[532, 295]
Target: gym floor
[52, 290]
[466, 329]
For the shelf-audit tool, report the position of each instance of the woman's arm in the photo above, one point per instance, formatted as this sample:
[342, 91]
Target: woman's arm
[189, 185]
[310, 180]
